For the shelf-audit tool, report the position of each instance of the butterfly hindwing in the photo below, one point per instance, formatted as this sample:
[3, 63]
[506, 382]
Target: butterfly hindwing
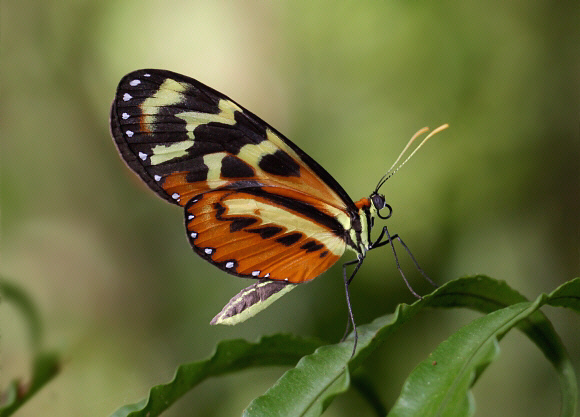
[257, 233]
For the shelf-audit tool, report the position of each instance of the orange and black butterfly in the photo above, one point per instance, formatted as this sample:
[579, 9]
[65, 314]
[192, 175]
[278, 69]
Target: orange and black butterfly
[255, 204]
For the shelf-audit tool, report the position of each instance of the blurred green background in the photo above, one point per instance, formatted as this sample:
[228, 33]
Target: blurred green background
[122, 294]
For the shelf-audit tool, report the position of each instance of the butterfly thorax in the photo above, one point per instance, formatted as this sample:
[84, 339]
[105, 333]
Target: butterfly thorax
[358, 239]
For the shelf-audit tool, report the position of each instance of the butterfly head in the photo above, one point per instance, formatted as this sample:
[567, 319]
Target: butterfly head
[368, 209]
[379, 203]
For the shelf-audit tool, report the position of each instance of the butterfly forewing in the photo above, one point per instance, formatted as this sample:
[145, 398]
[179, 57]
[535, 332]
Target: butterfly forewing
[184, 138]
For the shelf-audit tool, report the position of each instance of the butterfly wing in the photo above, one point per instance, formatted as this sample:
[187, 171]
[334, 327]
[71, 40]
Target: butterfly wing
[262, 233]
[256, 205]
[183, 138]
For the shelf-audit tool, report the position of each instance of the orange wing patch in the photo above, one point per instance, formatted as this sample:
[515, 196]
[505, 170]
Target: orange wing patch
[252, 233]
[182, 190]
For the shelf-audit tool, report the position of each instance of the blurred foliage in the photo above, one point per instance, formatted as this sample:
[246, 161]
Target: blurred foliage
[44, 364]
[121, 292]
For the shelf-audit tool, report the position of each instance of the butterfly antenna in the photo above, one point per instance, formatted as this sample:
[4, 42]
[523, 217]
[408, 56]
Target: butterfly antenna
[415, 136]
[392, 170]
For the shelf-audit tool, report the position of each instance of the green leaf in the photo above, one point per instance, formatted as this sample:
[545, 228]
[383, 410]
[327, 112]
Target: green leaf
[440, 386]
[305, 389]
[45, 364]
[485, 294]
[308, 388]
[567, 295]
[229, 356]
[15, 295]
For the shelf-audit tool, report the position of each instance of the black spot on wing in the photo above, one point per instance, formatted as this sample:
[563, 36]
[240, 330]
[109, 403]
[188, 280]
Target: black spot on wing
[244, 184]
[239, 223]
[197, 173]
[279, 163]
[266, 232]
[311, 246]
[218, 137]
[290, 239]
[199, 98]
[233, 167]
[251, 125]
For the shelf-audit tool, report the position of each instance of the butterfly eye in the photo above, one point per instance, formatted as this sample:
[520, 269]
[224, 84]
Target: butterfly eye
[380, 203]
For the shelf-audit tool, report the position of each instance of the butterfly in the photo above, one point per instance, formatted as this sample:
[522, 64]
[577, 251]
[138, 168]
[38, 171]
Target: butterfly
[255, 205]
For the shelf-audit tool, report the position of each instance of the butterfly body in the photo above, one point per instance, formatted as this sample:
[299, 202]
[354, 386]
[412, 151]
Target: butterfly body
[255, 205]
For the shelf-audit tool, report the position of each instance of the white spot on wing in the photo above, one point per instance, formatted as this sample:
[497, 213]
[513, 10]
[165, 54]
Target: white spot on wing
[130, 133]
[255, 273]
[209, 251]
[229, 264]
[193, 234]
[142, 155]
[175, 196]
[127, 97]
[134, 83]
[267, 275]
[190, 217]
[125, 116]
[157, 177]
[146, 75]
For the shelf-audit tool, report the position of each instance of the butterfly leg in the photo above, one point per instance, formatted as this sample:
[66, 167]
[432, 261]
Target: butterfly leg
[347, 282]
[389, 240]
[415, 261]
